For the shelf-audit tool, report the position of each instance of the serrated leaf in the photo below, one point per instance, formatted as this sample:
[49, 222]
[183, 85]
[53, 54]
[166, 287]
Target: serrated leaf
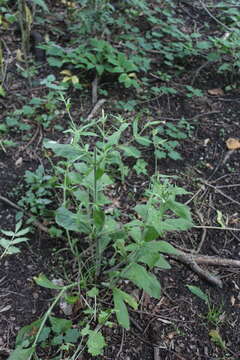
[143, 279]
[95, 343]
[143, 140]
[21, 354]
[60, 325]
[130, 151]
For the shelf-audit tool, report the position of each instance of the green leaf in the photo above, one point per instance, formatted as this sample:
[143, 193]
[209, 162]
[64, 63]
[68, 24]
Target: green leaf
[43, 281]
[98, 217]
[2, 91]
[205, 45]
[21, 354]
[179, 209]
[150, 233]
[66, 219]
[60, 325]
[72, 336]
[93, 292]
[54, 62]
[173, 225]
[44, 334]
[198, 292]
[19, 240]
[95, 343]
[143, 140]
[130, 151]
[42, 4]
[67, 151]
[162, 263]
[121, 310]
[143, 279]
[161, 246]
[149, 259]
[217, 339]
[8, 233]
[22, 232]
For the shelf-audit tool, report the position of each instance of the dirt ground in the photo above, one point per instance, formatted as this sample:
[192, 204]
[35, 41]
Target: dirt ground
[177, 327]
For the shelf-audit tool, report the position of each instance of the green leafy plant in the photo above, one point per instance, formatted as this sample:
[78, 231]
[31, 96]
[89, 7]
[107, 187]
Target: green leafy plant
[13, 238]
[98, 56]
[215, 314]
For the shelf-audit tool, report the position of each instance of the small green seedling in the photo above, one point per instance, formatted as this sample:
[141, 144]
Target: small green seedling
[14, 238]
[215, 314]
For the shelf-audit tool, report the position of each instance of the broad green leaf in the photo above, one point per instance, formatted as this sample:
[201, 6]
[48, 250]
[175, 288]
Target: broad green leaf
[127, 298]
[72, 336]
[149, 258]
[42, 4]
[60, 325]
[143, 140]
[173, 225]
[44, 334]
[160, 246]
[136, 233]
[162, 263]
[98, 217]
[67, 151]
[27, 331]
[93, 292]
[198, 292]
[130, 151]
[54, 62]
[21, 354]
[66, 219]
[150, 233]
[179, 209]
[43, 281]
[204, 45]
[95, 343]
[143, 279]
[121, 310]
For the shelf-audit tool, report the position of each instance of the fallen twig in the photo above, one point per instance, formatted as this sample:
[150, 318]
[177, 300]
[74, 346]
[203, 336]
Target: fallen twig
[96, 107]
[94, 90]
[193, 262]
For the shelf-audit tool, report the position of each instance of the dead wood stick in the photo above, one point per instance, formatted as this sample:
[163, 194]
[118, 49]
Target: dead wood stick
[96, 107]
[94, 90]
[191, 261]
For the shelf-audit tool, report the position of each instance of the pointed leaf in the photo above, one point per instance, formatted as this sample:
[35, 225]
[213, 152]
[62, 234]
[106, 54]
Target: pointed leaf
[43, 281]
[143, 279]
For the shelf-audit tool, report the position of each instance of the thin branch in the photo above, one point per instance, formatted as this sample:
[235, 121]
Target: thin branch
[213, 17]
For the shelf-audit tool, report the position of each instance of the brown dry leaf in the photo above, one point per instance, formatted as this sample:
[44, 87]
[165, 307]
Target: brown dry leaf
[233, 144]
[217, 91]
